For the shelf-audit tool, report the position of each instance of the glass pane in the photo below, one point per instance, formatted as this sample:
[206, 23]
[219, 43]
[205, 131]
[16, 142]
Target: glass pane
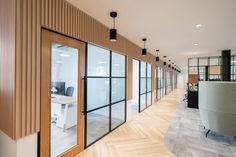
[64, 83]
[98, 61]
[118, 65]
[143, 85]
[97, 124]
[203, 61]
[117, 114]
[97, 92]
[193, 70]
[142, 102]
[149, 84]
[193, 62]
[214, 61]
[149, 99]
[118, 89]
[143, 69]
[149, 70]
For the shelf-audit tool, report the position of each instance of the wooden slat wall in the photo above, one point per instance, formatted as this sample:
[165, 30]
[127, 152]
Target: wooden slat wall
[27, 89]
[59, 16]
[7, 65]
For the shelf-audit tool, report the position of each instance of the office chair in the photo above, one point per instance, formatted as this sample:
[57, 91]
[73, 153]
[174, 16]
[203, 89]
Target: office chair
[70, 91]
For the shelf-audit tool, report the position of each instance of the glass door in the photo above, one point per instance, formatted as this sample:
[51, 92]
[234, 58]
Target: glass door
[62, 120]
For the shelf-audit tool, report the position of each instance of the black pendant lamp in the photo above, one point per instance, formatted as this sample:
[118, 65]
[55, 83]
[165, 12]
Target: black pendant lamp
[164, 63]
[173, 65]
[170, 64]
[144, 50]
[157, 58]
[113, 31]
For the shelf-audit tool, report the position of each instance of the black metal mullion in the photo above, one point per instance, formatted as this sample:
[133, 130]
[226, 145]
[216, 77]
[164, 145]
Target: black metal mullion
[85, 96]
[125, 87]
[139, 106]
[98, 108]
[146, 84]
[110, 92]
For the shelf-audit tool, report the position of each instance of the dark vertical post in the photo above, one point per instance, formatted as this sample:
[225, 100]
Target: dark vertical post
[225, 68]
[207, 73]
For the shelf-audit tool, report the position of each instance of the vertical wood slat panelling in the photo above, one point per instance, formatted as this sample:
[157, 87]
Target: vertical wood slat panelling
[7, 66]
[27, 82]
[62, 17]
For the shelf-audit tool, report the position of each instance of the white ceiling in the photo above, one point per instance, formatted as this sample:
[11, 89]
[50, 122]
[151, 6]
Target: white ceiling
[169, 25]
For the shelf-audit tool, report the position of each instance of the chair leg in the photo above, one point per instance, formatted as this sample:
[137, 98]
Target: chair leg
[208, 131]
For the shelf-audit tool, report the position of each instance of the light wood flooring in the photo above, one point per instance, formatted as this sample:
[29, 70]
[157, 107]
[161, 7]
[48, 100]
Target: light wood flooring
[142, 135]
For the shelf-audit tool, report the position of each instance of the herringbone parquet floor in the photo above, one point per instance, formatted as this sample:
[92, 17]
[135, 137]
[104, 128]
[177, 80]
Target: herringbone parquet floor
[142, 135]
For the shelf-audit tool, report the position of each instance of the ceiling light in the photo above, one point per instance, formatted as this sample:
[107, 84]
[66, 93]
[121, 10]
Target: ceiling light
[199, 25]
[157, 58]
[164, 63]
[196, 44]
[59, 62]
[144, 50]
[102, 62]
[64, 55]
[113, 31]
[116, 65]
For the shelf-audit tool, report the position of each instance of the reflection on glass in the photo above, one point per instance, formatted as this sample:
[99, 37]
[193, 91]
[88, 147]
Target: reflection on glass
[118, 65]
[98, 61]
[149, 70]
[149, 99]
[143, 69]
[203, 61]
[97, 124]
[149, 84]
[142, 102]
[97, 92]
[118, 89]
[64, 83]
[193, 62]
[117, 114]
[214, 61]
[143, 85]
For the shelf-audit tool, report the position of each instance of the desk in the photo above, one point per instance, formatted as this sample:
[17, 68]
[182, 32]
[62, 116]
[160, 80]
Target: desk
[192, 99]
[62, 119]
[61, 99]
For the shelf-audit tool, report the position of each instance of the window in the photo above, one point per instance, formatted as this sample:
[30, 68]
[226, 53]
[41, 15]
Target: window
[145, 86]
[106, 92]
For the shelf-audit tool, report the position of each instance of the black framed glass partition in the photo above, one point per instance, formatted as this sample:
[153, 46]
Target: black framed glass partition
[155, 85]
[145, 92]
[168, 81]
[105, 104]
[160, 85]
[233, 68]
[204, 69]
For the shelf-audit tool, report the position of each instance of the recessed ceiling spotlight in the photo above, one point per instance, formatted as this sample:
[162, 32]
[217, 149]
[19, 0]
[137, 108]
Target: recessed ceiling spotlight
[196, 44]
[199, 25]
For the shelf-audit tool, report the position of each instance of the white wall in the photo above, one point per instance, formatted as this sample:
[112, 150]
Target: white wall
[182, 79]
[24, 147]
